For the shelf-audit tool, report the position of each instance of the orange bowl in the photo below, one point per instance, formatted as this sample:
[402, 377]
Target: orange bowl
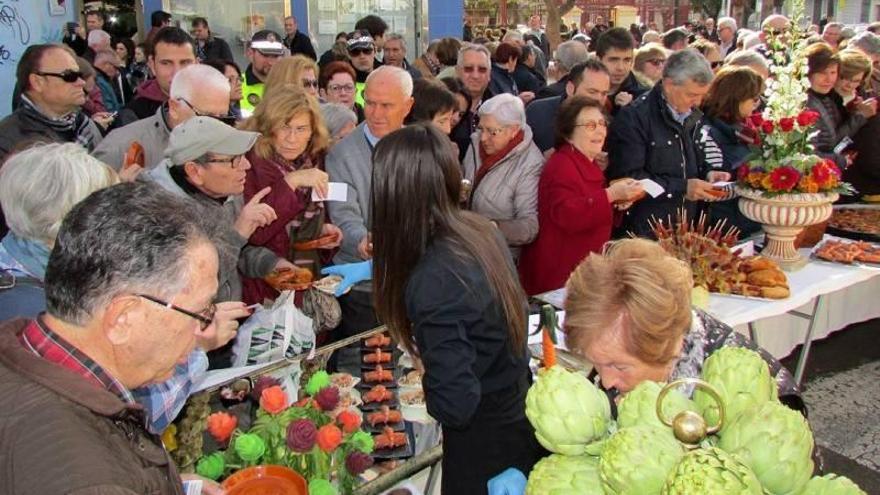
[266, 480]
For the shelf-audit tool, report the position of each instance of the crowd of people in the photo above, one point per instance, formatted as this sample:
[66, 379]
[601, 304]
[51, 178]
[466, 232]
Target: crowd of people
[479, 173]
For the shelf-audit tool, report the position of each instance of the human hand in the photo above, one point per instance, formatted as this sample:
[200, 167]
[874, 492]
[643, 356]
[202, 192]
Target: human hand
[330, 229]
[625, 191]
[314, 178]
[868, 108]
[80, 31]
[130, 173]
[224, 325]
[255, 214]
[510, 482]
[209, 487]
[103, 119]
[365, 247]
[351, 274]
[718, 176]
[623, 99]
[283, 264]
[700, 190]
[526, 97]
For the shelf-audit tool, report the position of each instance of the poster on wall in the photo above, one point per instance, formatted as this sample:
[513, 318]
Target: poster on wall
[57, 7]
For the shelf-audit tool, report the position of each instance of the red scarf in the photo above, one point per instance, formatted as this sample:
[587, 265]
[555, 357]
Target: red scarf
[488, 161]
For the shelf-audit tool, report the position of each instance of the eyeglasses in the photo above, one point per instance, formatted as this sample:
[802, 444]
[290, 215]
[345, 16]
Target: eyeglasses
[491, 131]
[716, 64]
[657, 61]
[475, 68]
[205, 319]
[591, 125]
[228, 119]
[357, 52]
[232, 162]
[68, 76]
[341, 88]
[310, 83]
[286, 131]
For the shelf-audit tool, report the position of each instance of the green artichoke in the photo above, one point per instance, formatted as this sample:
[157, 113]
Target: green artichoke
[711, 470]
[636, 460]
[567, 411]
[565, 475]
[776, 443]
[639, 406]
[741, 377]
[831, 484]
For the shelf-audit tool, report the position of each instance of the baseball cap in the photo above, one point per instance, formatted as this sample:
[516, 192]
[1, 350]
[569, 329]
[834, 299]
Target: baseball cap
[359, 40]
[200, 135]
[267, 42]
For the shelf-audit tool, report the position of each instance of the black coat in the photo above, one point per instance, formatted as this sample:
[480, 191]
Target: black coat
[551, 90]
[502, 82]
[300, 43]
[541, 117]
[864, 173]
[526, 80]
[645, 142]
[214, 49]
[629, 85]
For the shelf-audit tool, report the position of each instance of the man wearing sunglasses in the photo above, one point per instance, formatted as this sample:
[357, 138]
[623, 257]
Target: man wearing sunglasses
[114, 322]
[263, 52]
[196, 90]
[362, 56]
[52, 94]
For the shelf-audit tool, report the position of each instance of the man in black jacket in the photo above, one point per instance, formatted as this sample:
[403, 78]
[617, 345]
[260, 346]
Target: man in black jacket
[615, 49]
[297, 41]
[568, 55]
[208, 46]
[655, 138]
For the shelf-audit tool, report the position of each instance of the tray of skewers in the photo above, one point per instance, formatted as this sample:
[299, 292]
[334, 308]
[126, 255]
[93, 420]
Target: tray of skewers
[391, 444]
[378, 397]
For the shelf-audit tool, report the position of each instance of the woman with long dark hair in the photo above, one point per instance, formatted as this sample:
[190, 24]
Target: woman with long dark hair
[446, 287]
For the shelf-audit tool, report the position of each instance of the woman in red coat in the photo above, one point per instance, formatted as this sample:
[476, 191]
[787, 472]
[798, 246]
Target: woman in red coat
[575, 208]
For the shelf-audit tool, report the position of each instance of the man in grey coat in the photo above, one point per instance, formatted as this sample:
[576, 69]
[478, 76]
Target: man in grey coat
[387, 102]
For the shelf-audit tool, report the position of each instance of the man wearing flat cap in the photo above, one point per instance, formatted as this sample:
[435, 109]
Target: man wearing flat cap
[362, 56]
[263, 51]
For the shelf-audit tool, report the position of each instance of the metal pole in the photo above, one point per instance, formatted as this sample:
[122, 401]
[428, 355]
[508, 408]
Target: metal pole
[418, 463]
[808, 341]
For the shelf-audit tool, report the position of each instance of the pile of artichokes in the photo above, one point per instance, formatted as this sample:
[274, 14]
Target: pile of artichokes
[762, 448]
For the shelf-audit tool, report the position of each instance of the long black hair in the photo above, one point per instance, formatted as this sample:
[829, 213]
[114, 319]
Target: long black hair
[415, 201]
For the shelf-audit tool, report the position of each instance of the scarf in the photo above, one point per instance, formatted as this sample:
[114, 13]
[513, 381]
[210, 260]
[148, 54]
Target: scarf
[33, 256]
[433, 64]
[74, 126]
[307, 225]
[487, 162]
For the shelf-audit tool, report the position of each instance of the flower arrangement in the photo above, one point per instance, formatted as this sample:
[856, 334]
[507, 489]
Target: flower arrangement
[310, 437]
[783, 160]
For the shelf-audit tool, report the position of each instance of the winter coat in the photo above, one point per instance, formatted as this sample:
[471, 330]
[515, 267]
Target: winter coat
[152, 133]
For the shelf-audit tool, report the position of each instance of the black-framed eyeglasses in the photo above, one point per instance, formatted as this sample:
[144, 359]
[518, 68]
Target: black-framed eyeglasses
[232, 162]
[227, 119]
[68, 76]
[357, 52]
[204, 320]
[310, 83]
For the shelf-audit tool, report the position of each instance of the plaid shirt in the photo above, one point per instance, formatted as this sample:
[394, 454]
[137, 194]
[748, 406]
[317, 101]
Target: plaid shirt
[39, 339]
[164, 401]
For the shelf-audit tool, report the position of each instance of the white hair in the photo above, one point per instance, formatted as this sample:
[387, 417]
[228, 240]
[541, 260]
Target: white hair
[404, 80]
[747, 58]
[752, 40]
[98, 36]
[506, 108]
[727, 22]
[195, 78]
[687, 65]
[867, 42]
[512, 35]
[106, 56]
[571, 53]
[336, 117]
[39, 185]
[473, 47]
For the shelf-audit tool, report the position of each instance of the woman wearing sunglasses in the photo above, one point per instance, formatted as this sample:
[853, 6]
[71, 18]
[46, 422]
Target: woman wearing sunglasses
[299, 70]
[649, 62]
[575, 206]
[711, 52]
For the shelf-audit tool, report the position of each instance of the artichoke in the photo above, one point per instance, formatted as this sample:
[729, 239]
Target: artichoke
[636, 460]
[711, 470]
[639, 406]
[743, 380]
[565, 475]
[567, 411]
[831, 484]
[776, 443]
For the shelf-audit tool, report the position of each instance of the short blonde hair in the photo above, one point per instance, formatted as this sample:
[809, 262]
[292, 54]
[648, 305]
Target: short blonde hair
[637, 280]
[650, 51]
[852, 63]
[289, 70]
[276, 109]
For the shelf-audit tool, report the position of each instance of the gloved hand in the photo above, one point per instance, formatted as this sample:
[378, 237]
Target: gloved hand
[351, 274]
[511, 482]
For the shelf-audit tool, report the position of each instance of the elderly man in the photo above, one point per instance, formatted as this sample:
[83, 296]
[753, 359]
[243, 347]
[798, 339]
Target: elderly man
[727, 35]
[590, 79]
[106, 66]
[869, 44]
[655, 138]
[395, 54]
[296, 41]
[388, 97]
[98, 40]
[675, 39]
[615, 50]
[114, 322]
[52, 95]
[362, 57]
[208, 46]
[474, 70]
[196, 90]
[172, 50]
[831, 34]
[263, 52]
[568, 54]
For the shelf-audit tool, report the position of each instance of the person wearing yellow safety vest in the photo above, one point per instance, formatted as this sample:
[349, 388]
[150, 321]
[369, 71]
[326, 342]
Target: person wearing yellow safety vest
[361, 51]
[264, 50]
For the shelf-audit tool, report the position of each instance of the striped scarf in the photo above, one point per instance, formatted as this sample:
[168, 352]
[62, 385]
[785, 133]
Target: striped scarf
[75, 126]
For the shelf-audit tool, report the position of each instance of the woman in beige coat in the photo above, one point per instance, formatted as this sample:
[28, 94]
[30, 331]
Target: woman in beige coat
[504, 166]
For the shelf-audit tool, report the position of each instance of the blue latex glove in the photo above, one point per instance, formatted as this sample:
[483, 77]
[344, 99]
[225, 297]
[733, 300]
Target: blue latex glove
[510, 482]
[351, 274]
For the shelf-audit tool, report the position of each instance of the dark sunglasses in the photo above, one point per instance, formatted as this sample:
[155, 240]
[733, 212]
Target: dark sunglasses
[229, 120]
[361, 51]
[471, 68]
[716, 64]
[204, 320]
[68, 76]
[310, 83]
[657, 61]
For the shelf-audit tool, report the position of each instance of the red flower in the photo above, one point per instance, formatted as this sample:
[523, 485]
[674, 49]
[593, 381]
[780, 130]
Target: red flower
[767, 126]
[327, 398]
[329, 437]
[786, 124]
[221, 425]
[273, 400]
[742, 172]
[357, 462]
[756, 120]
[262, 383]
[807, 118]
[825, 173]
[301, 435]
[784, 178]
[350, 421]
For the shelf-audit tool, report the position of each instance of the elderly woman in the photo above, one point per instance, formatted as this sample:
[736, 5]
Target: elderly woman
[855, 69]
[38, 186]
[432, 102]
[299, 70]
[628, 312]
[339, 119]
[836, 124]
[287, 167]
[726, 137]
[337, 85]
[710, 51]
[504, 166]
[575, 207]
[649, 62]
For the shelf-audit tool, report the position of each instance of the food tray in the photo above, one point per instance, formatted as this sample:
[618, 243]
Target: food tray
[394, 403]
[856, 263]
[401, 452]
[746, 298]
[851, 234]
[364, 386]
[367, 427]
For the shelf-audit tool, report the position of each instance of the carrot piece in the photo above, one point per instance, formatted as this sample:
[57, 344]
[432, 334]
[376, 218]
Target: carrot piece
[548, 335]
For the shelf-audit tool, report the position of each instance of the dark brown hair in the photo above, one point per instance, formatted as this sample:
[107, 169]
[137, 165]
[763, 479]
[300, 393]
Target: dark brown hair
[29, 63]
[820, 56]
[415, 197]
[731, 86]
[447, 51]
[333, 68]
[430, 98]
[566, 119]
[507, 51]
